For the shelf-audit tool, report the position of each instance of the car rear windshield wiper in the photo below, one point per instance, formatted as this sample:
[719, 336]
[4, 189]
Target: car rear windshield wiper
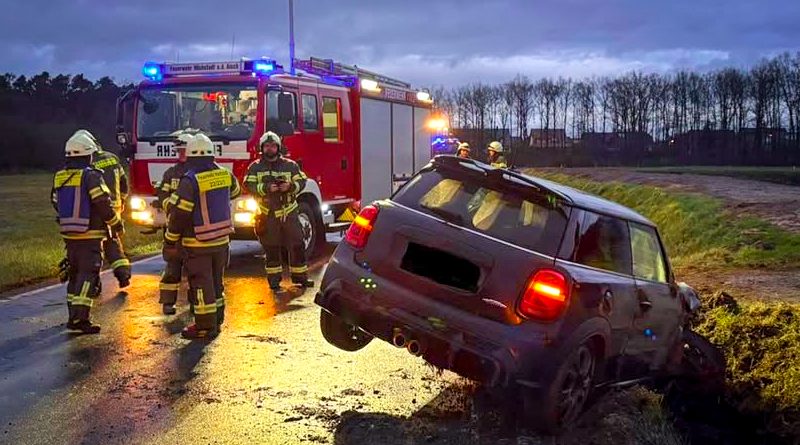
[453, 218]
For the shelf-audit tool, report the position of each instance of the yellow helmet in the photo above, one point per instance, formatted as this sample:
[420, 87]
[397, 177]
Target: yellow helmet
[81, 143]
[199, 146]
[496, 146]
[271, 137]
[463, 146]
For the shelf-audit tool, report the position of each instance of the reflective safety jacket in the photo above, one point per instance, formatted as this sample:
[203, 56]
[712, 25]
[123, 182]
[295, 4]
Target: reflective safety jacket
[114, 176]
[200, 213]
[500, 162]
[83, 203]
[259, 176]
[169, 184]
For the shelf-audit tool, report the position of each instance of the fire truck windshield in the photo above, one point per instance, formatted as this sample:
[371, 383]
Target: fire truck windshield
[221, 111]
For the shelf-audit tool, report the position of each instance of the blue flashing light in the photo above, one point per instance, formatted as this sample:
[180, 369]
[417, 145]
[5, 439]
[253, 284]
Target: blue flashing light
[152, 71]
[261, 66]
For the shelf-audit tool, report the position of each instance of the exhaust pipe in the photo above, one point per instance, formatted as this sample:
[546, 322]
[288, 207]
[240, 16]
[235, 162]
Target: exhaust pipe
[398, 339]
[414, 348]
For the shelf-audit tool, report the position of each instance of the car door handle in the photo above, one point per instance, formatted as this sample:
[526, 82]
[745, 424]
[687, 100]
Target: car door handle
[607, 305]
[644, 303]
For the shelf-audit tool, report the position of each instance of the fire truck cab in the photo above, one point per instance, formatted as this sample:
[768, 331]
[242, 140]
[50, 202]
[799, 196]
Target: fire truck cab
[358, 135]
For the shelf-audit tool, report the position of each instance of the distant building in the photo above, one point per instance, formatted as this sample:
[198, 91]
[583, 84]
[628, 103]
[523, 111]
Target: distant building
[548, 138]
[618, 141]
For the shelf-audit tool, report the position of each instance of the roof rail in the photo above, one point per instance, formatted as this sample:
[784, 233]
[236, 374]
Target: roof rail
[329, 67]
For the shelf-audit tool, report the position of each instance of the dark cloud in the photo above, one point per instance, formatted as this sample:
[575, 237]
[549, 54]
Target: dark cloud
[429, 42]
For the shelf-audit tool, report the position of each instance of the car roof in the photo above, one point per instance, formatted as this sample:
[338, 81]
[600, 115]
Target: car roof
[574, 197]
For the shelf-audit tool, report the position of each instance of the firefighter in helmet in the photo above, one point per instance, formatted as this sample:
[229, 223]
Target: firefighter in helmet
[275, 181]
[171, 277]
[85, 216]
[496, 158]
[200, 220]
[116, 180]
[463, 150]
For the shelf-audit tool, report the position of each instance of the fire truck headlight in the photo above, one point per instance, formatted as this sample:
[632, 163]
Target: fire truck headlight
[138, 204]
[248, 204]
[324, 208]
[244, 218]
[145, 217]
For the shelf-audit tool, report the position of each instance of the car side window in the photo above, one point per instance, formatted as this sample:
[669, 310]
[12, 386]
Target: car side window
[604, 243]
[648, 259]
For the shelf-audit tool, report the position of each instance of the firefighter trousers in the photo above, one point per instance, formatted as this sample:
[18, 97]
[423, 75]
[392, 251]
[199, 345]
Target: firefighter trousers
[171, 280]
[206, 268]
[115, 256]
[275, 233]
[85, 260]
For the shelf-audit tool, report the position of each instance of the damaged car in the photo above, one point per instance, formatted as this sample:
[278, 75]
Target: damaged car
[541, 292]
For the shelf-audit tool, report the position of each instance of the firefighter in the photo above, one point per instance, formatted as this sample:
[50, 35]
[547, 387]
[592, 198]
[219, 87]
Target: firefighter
[85, 216]
[275, 181]
[116, 180]
[496, 158]
[171, 276]
[463, 150]
[200, 220]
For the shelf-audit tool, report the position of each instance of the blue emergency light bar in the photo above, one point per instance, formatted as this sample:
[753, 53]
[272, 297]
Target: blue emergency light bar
[158, 71]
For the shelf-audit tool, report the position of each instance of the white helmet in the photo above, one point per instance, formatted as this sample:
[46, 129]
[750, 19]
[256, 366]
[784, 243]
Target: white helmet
[496, 146]
[199, 146]
[183, 138]
[269, 136]
[81, 143]
[463, 146]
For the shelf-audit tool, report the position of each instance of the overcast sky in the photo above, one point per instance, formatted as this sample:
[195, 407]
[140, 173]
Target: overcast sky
[427, 42]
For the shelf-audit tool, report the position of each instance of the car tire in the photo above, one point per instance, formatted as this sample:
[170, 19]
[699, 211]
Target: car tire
[341, 334]
[311, 227]
[561, 401]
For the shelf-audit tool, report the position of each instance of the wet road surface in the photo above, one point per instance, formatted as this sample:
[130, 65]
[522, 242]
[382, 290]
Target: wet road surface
[269, 377]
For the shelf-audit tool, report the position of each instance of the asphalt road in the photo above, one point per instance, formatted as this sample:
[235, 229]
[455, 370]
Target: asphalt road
[269, 377]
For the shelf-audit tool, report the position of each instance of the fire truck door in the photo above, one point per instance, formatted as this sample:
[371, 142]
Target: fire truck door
[376, 150]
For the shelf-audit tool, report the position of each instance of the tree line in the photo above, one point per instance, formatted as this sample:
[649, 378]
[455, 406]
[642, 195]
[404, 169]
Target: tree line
[39, 113]
[765, 96]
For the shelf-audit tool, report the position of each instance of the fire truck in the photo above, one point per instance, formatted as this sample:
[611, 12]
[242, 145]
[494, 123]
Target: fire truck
[357, 134]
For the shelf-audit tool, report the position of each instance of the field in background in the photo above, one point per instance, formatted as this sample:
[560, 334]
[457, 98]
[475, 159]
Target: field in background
[29, 241]
[778, 175]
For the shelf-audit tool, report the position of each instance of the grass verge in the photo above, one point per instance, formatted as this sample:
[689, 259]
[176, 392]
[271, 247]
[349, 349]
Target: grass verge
[778, 175]
[696, 229]
[29, 236]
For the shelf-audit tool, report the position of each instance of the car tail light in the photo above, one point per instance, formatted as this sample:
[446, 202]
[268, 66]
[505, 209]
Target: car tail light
[546, 295]
[358, 233]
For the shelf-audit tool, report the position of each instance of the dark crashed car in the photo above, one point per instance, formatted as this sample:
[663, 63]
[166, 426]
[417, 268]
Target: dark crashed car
[530, 287]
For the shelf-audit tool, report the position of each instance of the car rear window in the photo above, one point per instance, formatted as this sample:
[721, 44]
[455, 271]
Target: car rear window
[514, 213]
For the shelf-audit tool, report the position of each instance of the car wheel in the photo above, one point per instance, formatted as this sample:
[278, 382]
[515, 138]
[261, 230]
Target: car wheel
[311, 228]
[564, 398]
[341, 334]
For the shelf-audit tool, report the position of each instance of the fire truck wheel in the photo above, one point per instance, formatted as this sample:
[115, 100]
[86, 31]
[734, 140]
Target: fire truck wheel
[312, 228]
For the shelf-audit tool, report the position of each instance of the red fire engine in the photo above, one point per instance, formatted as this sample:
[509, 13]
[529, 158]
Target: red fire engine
[358, 135]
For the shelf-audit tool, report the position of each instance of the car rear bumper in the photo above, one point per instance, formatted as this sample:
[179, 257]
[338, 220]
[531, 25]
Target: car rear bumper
[494, 353]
